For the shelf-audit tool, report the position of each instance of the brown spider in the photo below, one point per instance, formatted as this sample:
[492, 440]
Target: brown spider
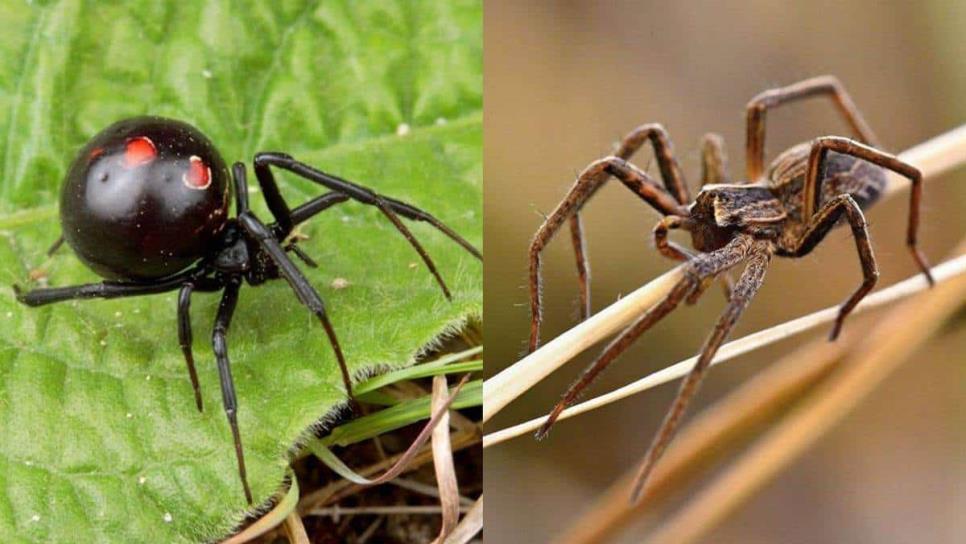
[787, 211]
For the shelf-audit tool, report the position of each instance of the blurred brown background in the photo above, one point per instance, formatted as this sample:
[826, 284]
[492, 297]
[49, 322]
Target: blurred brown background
[563, 81]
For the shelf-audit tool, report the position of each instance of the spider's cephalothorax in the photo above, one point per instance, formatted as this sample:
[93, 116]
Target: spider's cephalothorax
[785, 211]
[146, 206]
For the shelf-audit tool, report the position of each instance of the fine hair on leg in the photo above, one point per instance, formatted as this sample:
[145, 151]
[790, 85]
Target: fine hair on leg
[745, 289]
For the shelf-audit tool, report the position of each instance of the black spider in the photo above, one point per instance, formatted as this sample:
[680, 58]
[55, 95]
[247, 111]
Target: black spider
[145, 206]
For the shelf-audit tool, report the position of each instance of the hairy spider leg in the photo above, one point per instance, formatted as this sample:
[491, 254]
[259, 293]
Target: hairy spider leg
[819, 225]
[587, 184]
[579, 242]
[714, 160]
[671, 176]
[390, 207]
[671, 173]
[702, 266]
[304, 291]
[817, 86]
[219, 343]
[745, 289]
[816, 167]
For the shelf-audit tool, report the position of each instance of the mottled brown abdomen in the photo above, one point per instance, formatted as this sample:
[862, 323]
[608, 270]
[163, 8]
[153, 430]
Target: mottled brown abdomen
[843, 174]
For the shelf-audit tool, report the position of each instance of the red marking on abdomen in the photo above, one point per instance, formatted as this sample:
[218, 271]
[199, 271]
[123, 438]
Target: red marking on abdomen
[198, 175]
[96, 152]
[139, 150]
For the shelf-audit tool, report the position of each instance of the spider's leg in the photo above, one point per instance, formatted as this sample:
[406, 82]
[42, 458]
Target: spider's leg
[714, 169]
[587, 184]
[304, 291]
[671, 173]
[411, 238]
[356, 192]
[310, 208]
[817, 86]
[583, 264]
[303, 256]
[317, 205]
[813, 184]
[55, 246]
[704, 265]
[105, 289]
[819, 225]
[747, 286]
[390, 207]
[219, 342]
[184, 338]
[714, 160]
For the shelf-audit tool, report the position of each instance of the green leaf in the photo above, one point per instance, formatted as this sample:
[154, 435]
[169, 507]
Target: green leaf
[99, 437]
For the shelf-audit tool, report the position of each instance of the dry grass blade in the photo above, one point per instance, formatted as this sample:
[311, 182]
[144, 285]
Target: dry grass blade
[339, 489]
[873, 359]
[746, 344]
[337, 512]
[271, 519]
[438, 413]
[294, 529]
[471, 525]
[449, 495]
[714, 433]
[933, 157]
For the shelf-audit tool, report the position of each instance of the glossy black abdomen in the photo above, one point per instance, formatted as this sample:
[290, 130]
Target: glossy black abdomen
[144, 199]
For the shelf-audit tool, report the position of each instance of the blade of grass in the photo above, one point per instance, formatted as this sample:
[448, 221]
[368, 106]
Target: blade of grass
[384, 399]
[932, 157]
[295, 530]
[335, 491]
[395, 417]
[439, 412]
[471, 525]
[449, 495]
[273, 518]
[447, 364]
